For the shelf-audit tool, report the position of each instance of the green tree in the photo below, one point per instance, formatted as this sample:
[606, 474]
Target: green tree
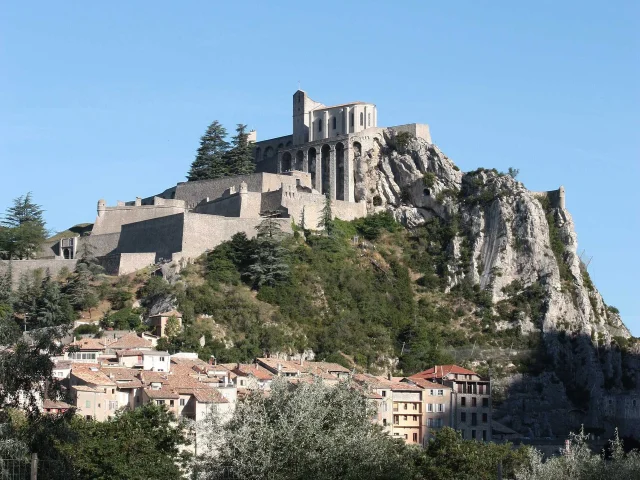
[449, 456]
[239, 158]
[210, 159]
[269, 261]
[24, 229]
[52, 308]
[326, 219]
[172, 329]
[513, 172]
[140, 444]
[82, 295]
[303, 432]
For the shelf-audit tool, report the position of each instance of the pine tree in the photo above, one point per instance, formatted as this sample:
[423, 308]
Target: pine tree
[210, 161]
[51, 308]
[326, 220]
[81, 294]
[269, 261]
[23, 229]
[240, 158]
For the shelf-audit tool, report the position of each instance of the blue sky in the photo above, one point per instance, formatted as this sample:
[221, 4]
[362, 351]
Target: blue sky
[108, 99]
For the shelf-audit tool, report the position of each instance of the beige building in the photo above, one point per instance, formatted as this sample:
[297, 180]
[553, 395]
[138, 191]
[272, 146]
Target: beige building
[158, 323]
[470, 411]
[437, 405]
[94, 393]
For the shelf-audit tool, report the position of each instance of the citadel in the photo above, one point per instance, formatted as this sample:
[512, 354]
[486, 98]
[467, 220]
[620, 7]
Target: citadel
[294, 174]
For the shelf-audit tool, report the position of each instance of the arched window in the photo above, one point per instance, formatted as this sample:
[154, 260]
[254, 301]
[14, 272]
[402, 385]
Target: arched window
[335, 123]
[361, 119]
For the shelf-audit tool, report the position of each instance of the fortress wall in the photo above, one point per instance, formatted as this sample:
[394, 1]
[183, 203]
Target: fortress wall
[204, 232]
[312, 204]
[237, 205]
[273, 181]
[161, 235]
[194, 192]
[556, 197]
[112, 219]
[101, 244]
[225, 207]
[131, 262]
[419, 130]
[271, 201]
[21, 267]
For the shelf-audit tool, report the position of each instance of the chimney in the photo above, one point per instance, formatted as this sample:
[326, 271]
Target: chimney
[226, 380]
[389, 376]
[279, 367]
[212, 360]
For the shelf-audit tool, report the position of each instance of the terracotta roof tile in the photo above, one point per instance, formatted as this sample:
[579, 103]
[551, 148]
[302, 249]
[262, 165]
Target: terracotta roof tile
[130, 341]
[440, 371]
[161, 393]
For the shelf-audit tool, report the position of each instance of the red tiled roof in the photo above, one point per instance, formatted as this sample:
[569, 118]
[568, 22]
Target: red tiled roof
[254, 370]
[48, 403]
[161, 393]
[91, 375]
[88, 344]
[440, 371]
[130, 341]
[171, 313]
[421, 382]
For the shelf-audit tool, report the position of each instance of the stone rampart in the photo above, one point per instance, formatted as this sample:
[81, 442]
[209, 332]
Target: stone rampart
[161, 235]
[111, 219]
[418, 130]
[205, 232]
[242, 205]
[556, 197]
[101, 245]
[20, 267]
[131, 262]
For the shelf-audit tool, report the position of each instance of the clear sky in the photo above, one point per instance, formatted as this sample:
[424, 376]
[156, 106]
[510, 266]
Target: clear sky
[109, 99]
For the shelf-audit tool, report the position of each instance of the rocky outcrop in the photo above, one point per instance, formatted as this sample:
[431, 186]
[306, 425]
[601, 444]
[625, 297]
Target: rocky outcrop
[509, 240]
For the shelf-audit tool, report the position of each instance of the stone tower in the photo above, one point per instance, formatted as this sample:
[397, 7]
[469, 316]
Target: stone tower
[302, 105]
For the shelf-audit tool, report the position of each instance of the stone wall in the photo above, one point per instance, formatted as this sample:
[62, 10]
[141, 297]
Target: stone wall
[101, 245]
[556, 197]
[131, 262]
[205, 232]
[242, 205]
[112, 218]
[418, 130]
[163, 235]
[21, 267]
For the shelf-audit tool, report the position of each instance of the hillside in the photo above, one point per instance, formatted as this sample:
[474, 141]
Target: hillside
[476, 269]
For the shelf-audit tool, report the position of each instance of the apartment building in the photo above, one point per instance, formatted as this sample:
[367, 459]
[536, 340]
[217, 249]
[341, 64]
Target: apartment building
[437, 405]
[470, 411]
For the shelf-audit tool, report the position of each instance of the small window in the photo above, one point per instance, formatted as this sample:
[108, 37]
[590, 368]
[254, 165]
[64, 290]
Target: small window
[406, 436]
[335, 123]
[440, 393]
[159, 402]
[485, 402]
[89, 417]
[415, 406]
[463, 401]
[406, 406]
[162, 359]
[415, 418]
[369, 119]
[384, 393]
[384, 422]
[113, 390]
[361, 119]
[484, 435]
[441, 407]
[485, 418]
[171, 403]
[474, 401]
[351, 119]
[404, 417]
[87, 404]
[320, 125]
[473, 434]
[429, 407]
[415, 437]
[431, 392]
[182, 402]
[463, 416]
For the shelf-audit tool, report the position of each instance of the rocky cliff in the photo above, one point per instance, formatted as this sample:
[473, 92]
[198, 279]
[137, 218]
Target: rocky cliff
[513, 244]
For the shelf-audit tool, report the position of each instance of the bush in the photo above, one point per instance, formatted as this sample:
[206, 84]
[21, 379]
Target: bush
[90, 328]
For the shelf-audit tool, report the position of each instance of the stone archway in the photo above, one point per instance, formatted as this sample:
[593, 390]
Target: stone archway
[325, 156]
[286, 161]
[340, 166]
[312, 166]
[299, 160]
[268, 153]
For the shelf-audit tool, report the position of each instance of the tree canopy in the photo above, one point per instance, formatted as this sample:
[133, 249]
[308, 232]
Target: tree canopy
[217, 158]
[22, 229]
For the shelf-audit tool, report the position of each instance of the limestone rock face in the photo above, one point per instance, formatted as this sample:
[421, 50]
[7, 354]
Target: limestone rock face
[514, 240]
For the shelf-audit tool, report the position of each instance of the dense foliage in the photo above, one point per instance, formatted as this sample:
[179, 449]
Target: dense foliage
[22, 229]
[302, 432]
[218, 158]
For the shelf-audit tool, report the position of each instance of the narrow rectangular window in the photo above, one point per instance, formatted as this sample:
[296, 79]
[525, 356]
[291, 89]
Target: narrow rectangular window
[87, 404]
[484, 435]
[415, 437]
[463, 401]
[335, 123]
[474, 401]
[463, 416]
[485, 402]
[182, 401]
[485, 418]
[473, 434]
[361, 119]
[320, 125]
[351, 120]
[171, 403]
